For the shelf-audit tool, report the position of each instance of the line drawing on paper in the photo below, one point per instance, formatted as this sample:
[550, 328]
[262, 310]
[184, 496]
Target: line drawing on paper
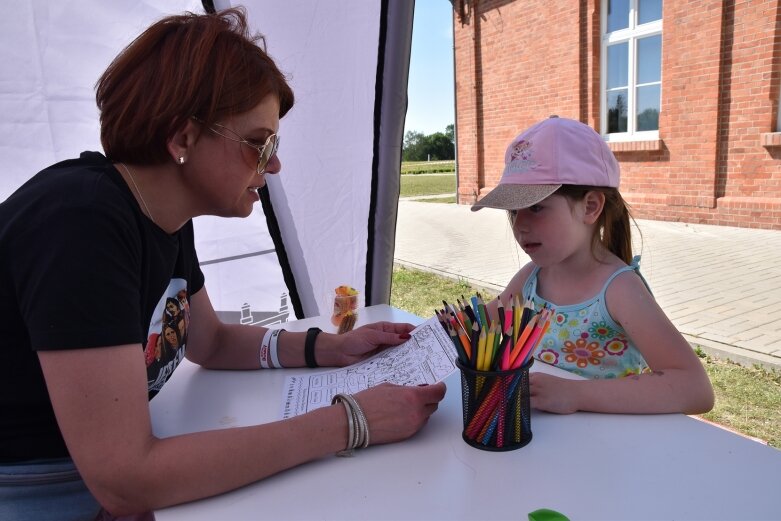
[427, 357]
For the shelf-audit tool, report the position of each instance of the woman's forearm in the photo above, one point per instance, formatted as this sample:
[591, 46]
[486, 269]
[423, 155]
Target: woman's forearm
[188, 467]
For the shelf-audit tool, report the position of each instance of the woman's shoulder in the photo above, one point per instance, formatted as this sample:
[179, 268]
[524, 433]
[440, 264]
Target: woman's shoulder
[91, 176]
[88, 179]
[72, 198]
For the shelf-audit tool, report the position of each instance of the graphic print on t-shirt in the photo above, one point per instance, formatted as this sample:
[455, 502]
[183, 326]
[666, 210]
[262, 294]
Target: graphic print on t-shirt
[167, 335]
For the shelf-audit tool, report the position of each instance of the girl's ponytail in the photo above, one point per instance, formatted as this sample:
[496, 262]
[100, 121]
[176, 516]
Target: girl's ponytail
[616, 234]
[613, 228]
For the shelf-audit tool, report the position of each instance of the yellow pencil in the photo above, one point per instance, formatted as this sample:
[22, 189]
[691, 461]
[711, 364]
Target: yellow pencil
[481, 355]
[489, 343]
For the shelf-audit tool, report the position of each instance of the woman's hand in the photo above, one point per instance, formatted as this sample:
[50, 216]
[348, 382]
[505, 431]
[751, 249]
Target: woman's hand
[552, 394]
[396, 412]
[363, 342]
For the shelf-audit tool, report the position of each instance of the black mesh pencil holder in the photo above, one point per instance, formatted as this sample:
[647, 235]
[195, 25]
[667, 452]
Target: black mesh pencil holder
[496, 410]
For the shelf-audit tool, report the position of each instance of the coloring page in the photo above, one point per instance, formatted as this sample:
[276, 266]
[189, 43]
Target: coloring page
[428, 357]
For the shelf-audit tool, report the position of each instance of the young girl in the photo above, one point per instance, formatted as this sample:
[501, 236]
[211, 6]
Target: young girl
[560, 186]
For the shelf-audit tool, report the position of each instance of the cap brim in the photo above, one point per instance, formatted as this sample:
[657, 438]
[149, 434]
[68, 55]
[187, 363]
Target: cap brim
[514, 197]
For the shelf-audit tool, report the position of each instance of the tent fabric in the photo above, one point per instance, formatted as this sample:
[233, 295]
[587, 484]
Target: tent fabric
[325, 205]
[390, 106]
[336, 197]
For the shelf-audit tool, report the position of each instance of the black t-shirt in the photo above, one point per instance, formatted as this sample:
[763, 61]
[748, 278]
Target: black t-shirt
[82, 267]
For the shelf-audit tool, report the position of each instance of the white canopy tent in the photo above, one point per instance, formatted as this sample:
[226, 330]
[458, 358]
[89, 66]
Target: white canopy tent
[329, 217]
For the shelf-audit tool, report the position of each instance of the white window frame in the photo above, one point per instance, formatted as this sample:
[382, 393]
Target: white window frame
[630, 35]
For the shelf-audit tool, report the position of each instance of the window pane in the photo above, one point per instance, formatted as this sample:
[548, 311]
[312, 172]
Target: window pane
[618, 65]
[617, 15]
[616, 111]
[649, 10]
[649, 59]
[648, 104]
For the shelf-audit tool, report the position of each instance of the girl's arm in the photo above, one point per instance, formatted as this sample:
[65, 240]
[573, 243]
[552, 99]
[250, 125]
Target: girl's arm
[678, 382]
[100, 400]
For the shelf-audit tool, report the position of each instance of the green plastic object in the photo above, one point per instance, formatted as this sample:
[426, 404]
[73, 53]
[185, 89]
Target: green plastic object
[546, 514]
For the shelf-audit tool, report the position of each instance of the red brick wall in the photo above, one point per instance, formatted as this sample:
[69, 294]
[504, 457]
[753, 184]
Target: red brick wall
[518, 61]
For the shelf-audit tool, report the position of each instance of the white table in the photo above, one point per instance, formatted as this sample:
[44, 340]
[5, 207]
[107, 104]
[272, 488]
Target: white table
[586, 466]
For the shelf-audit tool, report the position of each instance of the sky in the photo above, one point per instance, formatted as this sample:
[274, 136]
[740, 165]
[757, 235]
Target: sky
[430, 90]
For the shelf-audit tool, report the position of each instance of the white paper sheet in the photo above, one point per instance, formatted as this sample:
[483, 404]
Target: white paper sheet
[428, 357]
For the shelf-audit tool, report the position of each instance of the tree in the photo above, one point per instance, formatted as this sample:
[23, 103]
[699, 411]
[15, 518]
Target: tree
[439, 147]
[434, 147]
[450, 132]
[412, 138]
[413, 144]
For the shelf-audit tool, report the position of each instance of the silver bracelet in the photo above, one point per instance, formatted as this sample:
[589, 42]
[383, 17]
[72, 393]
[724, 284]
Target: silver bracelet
[357, 425]
[348, 450]
[363, 442]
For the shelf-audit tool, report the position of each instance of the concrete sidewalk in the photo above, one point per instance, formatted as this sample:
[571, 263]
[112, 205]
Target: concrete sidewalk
[720, 286]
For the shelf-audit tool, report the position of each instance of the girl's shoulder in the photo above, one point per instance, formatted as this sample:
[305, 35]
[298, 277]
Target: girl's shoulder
[627, 292]
[516, 284]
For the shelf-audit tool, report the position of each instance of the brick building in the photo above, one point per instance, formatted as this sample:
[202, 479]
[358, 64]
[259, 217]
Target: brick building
[686, 93]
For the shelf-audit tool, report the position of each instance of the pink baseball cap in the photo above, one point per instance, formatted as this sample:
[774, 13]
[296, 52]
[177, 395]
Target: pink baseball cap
[554, 152]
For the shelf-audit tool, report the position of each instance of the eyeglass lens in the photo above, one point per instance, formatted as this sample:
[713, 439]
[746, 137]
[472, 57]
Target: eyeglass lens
[267, 151]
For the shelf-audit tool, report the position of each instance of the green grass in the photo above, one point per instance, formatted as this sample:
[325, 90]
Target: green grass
[448, 199]
[427, 185]
[427, 167]
[421, 293]
[748, 399]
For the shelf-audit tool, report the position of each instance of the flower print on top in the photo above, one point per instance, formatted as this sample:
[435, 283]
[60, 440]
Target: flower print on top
[584, 339]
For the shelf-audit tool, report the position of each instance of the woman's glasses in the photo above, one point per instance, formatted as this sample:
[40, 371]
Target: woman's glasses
[265, 151]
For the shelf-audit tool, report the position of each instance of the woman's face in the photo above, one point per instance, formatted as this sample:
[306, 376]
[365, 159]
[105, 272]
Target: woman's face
[173, 309]
[170, 337]
[225, 178]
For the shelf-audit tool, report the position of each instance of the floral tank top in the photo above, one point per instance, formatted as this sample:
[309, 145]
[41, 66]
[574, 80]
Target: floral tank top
[584, 339]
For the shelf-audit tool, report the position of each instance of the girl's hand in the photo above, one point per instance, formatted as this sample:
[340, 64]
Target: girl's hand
[366, 341]
[552, 394]
[396, 412]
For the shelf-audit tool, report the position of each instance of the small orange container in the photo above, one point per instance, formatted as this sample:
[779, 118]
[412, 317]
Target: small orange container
[345, 302]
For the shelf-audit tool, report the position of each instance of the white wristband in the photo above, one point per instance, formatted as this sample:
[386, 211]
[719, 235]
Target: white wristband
[265, 350]
[275, 334]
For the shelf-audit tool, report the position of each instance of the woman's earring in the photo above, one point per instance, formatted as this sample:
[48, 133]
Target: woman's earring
[181, 160]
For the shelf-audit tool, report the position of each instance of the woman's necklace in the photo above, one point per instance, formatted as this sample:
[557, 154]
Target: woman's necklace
[132, 180]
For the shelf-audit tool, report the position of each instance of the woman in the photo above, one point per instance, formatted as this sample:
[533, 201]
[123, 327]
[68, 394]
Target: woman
[190, 108]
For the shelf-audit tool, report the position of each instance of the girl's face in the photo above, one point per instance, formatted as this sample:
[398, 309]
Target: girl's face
[225, 178]
[553, 230]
